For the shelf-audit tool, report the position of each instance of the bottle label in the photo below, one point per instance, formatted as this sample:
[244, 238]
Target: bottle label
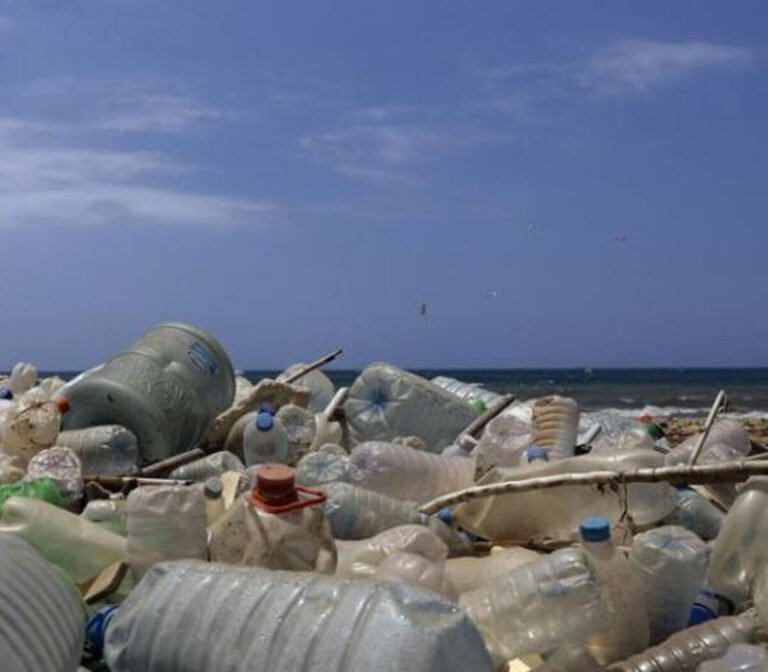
[202, 358]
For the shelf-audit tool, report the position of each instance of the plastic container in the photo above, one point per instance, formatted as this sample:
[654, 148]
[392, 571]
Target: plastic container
[696, 513]
[319, 468]
[42, 619]
[22, 379]
[418, 571]
[739, 658]
[467, 391]
[300, 428]
[537, 606]
[407, 474]
[321, 389]
[81, 548]
[556, 425]
[109, 450]
[685, 650]
[277, 526]
[712, 453]
[110, 514]
[165, 522]
[166, 388]
[206, 467]
[729, 432]
[63, 468]
[285, 622]
[31, 425]
[627, 630]
[386, 402]
[471, 573]
[669, 564]
[265, 440]
[741, 549]
[557, 512]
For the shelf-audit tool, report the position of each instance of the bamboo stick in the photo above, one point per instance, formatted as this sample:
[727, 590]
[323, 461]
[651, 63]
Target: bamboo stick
[677, 475]
[304, 370]
[719, 399]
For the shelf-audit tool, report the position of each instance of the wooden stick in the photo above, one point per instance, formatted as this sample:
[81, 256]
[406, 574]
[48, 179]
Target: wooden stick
[169, 464]
[476, 426]
[680, 474]
[338, 399]
[304, 370]
[117, 482]
[719, 399]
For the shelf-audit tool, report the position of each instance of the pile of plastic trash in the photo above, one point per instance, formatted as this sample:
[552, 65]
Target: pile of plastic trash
[159, 513]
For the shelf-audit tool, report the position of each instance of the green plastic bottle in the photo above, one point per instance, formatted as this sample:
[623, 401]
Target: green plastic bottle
[38, 488]
[478, 405]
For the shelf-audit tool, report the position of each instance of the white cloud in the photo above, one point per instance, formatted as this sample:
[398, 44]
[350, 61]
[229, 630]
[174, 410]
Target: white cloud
[156, 112]
[635, 66]
[42, 182]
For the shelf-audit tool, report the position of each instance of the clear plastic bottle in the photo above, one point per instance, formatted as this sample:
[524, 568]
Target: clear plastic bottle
[467, 391]
[42, 619]
[739, 658]
[416, 570]
[669, 564]
[165, 522]
[683, 651]
[22, 379]
[31, 425]
[728, 431]
[109, 513]
[321, 389]
[470, 573]
[556, 425]
[404, 473]
[265, 440]
[63, 468]
[696, 513]
[255, 619]
[741, 549]
[537, 606]
[109, 450]
[299, 426]
[320, 468]
[81, 548]
[571, 657]
[627, 631]
[215, 464]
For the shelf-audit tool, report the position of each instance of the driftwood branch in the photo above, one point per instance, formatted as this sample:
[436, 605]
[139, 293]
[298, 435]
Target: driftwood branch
[719, 400]
[676, 475]
[304, 370]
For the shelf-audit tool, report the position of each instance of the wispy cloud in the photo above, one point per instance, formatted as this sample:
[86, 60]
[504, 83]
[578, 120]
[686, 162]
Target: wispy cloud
[42, 182]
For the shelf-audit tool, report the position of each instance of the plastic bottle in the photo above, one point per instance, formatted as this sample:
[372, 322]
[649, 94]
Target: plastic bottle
[304, 621]
[63, 468]
[278, 526]
[109, 450]
[12, 469]
[739, 658]
[741, 549]
[683, 651]
[300, 428]
[669, 564]
[166, 388]
[42, 620]
[470, 573]
[503, 442]
[730, 432]
[712, 453]
[265, 440]
[386, 402]
[557, 512]
[556, 425]
[213, 489]
[22, 379]
[467, 391]
[537, 606]
[321, 389]
[81, 548]
[627, 631]
[404, 473]
[535, 454]
[416, 570]
[214, 464]
[36, 488]
[108, 513]
[319, 468]
[31, 425]
[165, 522]
[570, 657]
[696, 513]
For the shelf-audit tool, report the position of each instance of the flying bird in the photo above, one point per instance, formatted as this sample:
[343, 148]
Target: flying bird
[621, 238]
[423, 308]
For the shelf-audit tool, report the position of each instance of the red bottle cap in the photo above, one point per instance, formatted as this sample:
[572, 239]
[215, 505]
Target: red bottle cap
[276, 490]
[62, 403]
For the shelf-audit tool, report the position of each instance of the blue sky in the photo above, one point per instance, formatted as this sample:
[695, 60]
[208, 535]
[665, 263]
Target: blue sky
[564, 183]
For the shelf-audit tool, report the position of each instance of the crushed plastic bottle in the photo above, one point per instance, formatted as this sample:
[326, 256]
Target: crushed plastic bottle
[109, 450]
[467, 391]
[416, 570]
[63, 468]
[404, 473]
[305, 621]
[31, 425]
[36, 488]
[278, 526]
[215, 464]
[556, 425]
[81, 548]
[386, 402]
[164, 522]
[739, 658]
[669, 564]
[265, 440]
[42, 620]
[321, 389]
[300, 428]
[470, 573]
[319, 468]
[696, 513]
[109, 513]
[22, 379]
[728, 431]
[570, 658]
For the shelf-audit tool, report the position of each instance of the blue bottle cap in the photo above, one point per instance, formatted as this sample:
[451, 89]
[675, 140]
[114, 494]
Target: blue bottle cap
[264, 421]
[5, 393]
[446, 515]
[595, 529]
[537, 453]
[96, 627]
[267, 407]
